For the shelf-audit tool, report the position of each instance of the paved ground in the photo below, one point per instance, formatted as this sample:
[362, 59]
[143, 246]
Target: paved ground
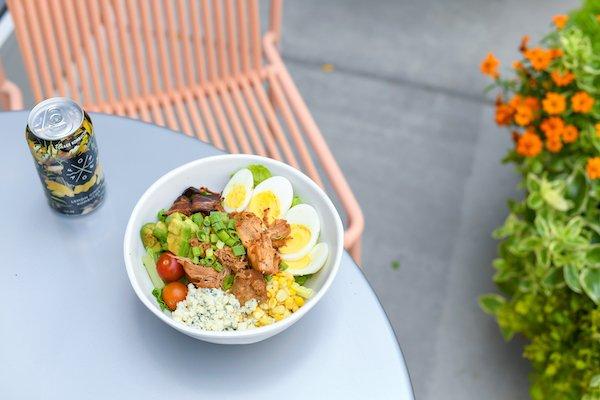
[406, 118]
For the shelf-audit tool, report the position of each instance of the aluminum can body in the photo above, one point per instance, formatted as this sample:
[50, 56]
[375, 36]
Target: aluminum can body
[61, 138]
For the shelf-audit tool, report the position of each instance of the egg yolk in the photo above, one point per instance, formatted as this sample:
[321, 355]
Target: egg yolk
[299, 263]
[235, 197]
[298, 238]
[263, 200]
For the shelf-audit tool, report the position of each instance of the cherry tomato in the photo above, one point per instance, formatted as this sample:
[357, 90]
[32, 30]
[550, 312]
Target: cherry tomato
[173, 293]
[168, 267]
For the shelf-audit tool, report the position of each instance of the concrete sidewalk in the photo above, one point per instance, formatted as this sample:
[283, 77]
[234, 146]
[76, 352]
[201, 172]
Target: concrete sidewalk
[405, 116]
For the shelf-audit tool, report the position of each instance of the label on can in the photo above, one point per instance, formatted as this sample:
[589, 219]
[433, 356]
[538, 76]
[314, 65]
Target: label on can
[63, 145]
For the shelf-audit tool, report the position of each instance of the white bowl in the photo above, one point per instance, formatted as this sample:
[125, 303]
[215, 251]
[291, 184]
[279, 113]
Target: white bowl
[214, 172]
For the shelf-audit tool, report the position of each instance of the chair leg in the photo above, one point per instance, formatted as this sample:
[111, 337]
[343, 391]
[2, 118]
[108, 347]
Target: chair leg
[355, 251]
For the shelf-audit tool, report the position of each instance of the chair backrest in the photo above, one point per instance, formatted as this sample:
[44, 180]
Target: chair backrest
[106, 51]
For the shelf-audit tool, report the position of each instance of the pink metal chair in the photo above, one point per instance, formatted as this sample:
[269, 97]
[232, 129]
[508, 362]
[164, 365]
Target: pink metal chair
[201, 67]
[10, 95]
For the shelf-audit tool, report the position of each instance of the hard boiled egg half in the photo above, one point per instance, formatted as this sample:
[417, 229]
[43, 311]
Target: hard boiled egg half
[238, 191]
[304, 231]
[310, 263]
[273, 195]
[301, 253]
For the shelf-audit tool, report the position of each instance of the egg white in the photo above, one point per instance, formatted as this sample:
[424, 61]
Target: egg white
[306, 215]
[281, 189]
[244, 178]
[312, 262]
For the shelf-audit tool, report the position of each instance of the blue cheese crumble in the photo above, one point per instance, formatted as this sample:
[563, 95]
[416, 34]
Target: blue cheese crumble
[214, 310]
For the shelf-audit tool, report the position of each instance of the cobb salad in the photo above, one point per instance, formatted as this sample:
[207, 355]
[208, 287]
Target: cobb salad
[236, 259]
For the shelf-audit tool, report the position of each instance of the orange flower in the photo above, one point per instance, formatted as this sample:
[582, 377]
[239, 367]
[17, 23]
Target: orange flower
[532, 103]
[518, 65]
[582, 102]
[555, 53]
[539, 58]
[524, 43]
[554, 103]
[529, 144]
[552, 127]
[524, 115]
[489, 66]
[553, 144]
[570, 134]
[593, 167]
[504, 113]
[562, 79]
[560, 20]
[516, 101]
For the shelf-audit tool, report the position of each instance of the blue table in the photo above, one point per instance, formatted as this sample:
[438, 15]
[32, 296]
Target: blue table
[72, 326]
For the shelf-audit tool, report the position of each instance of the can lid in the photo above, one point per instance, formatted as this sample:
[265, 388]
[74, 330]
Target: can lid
[55, 118]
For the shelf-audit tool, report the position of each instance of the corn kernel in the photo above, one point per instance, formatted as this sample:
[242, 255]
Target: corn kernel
[299, 301]
[279, 309]
[289, 303]
[295, 308]
[274, 284]
[266, 320]
[291, 291]
[258, 313]
[278, 317]
[282, 294]
[272, 302]
[264, 306]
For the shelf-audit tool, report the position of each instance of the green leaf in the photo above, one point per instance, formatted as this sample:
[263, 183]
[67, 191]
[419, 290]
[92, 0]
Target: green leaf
[552, 195]
[157, 293]
[395, 265]
[576, 191]
[590, 283]
[593, 256]
[553, 278]
[296, 200]
[491, 303]
[507, 333]
[259, 173]
[301, 279]
[595, 381]
[535, 201]
[571, 277]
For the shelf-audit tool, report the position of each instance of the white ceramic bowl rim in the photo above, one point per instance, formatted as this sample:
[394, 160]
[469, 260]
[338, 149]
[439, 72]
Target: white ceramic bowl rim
[264, 330]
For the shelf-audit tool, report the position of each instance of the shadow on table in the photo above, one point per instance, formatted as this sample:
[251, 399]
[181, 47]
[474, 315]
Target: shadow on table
[222, 368]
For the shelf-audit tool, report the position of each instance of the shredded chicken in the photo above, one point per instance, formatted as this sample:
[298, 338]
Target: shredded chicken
[262, 255]
[261, 240]
[249, 284]
[279, 232]
[194, 200]
[248, 226]
[229, 260]
[200, 276]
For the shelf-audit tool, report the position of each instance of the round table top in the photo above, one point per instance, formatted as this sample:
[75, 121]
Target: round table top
[72, 326]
